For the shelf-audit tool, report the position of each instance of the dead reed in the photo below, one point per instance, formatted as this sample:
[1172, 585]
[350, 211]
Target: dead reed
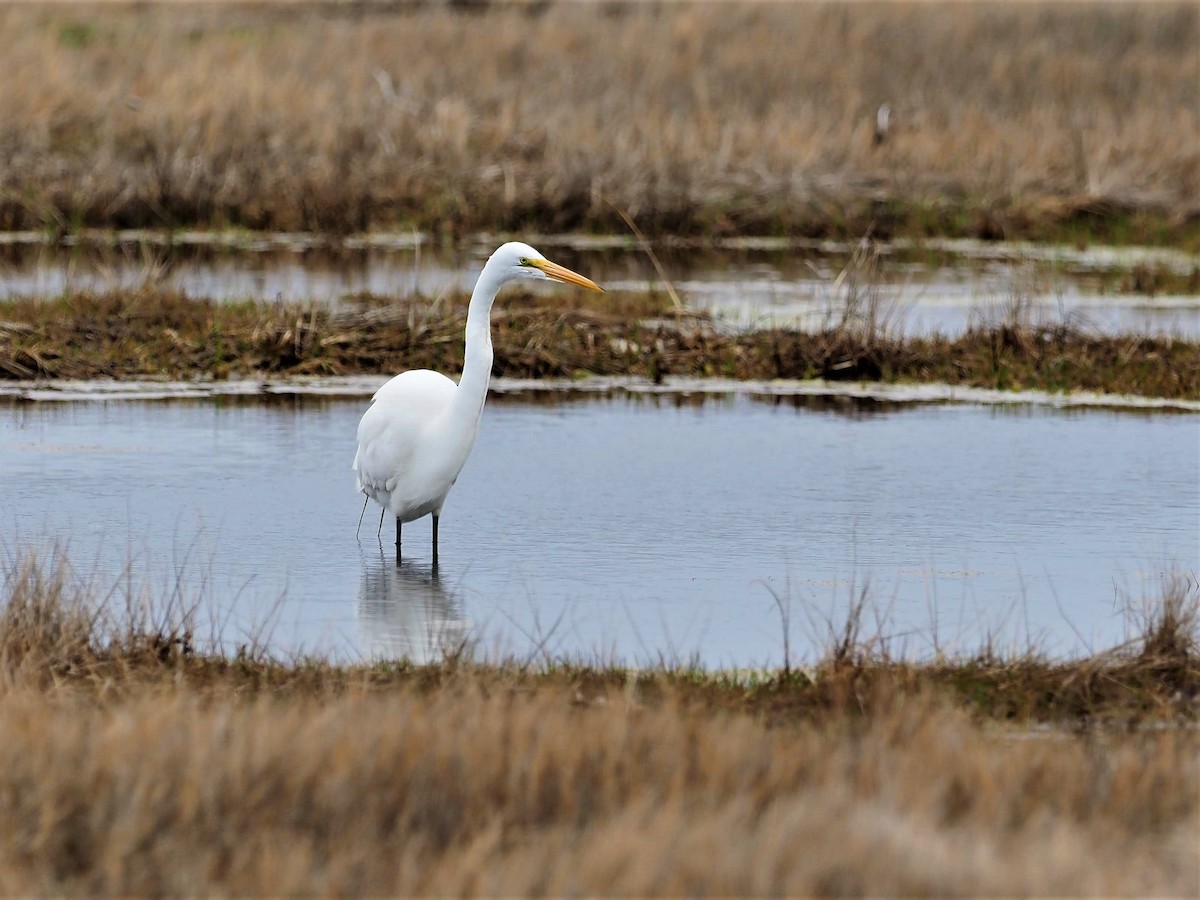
[486, 790]
[1036, 119]
[130, 767]
[151, 333]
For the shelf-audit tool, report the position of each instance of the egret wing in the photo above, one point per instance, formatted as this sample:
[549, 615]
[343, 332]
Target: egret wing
[389, 433]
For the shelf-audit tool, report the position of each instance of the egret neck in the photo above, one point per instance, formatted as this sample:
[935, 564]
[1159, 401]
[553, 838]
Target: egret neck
[477, 363]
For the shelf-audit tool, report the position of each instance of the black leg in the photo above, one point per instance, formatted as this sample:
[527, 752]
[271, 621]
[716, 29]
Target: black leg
[397, 539]
[435, 529]
[360, 518]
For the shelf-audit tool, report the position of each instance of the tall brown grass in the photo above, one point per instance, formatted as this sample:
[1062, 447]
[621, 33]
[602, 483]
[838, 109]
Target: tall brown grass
[127, 768]
[479, 789]
[702, 118]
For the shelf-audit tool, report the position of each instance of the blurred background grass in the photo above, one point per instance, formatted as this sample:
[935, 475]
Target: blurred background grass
[1033, 120]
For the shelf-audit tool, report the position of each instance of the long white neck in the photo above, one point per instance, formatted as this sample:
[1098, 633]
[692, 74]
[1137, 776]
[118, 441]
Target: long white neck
[477, 366]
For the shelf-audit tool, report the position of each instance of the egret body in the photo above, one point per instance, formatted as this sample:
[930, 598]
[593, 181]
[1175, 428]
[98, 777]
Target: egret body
[416, 435]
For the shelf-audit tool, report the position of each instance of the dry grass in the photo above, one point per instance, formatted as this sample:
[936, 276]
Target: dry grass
[129, 767]
[1034, 119]
[485, 790]
[150, 333]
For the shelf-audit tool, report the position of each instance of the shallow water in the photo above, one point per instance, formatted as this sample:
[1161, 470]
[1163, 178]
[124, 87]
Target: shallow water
[636, 528]
[944, 286]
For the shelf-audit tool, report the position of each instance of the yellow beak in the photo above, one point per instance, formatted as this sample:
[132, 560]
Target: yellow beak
[561, 273]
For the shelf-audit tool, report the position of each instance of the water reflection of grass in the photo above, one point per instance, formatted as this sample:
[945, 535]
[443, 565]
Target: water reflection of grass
[135, 761]
[154, 333]
[1041, 119]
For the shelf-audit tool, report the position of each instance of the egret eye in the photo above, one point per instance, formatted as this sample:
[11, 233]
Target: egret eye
[524, 260]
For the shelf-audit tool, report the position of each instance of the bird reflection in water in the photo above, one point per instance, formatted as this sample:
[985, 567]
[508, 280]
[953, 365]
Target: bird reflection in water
[406, 612]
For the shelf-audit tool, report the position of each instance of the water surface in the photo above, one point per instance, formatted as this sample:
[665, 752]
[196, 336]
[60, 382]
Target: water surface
[659, 527]
[939, 286]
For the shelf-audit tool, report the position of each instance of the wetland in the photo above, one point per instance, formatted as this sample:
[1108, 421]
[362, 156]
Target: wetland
[848, 545]
[1010, 317]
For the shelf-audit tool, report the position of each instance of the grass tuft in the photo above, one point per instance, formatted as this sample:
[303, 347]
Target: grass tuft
[45, 633]
[1170, 635]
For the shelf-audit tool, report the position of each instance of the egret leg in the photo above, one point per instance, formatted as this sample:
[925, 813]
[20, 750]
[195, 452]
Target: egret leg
[397, 539]
[435, 530]
[379, 530]
[360, 518]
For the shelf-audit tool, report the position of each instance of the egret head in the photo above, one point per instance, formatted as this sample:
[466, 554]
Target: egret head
[516, 260]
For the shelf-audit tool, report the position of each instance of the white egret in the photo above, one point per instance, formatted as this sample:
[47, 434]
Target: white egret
[416, 435]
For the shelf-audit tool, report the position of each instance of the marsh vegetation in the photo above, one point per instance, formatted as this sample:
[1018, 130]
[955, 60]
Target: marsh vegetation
[143, 754]
[140, 333]
[858, 774]
[1072, 122]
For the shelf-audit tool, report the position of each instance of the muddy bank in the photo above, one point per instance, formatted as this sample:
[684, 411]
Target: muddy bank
[125, 335]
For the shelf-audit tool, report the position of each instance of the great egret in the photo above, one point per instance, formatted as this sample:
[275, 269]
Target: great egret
[416, 435]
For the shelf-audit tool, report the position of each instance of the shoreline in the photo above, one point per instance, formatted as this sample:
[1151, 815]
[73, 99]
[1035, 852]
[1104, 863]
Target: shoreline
[87, 638]
[363, 386]
[132, 335]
